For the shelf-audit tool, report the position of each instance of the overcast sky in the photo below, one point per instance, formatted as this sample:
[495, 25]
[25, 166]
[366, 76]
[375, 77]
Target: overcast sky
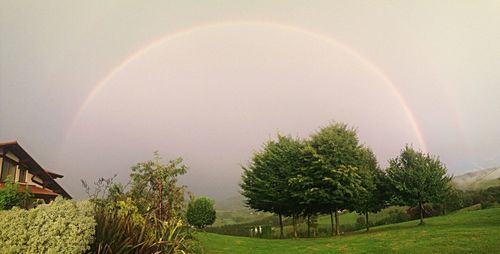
[89, 88]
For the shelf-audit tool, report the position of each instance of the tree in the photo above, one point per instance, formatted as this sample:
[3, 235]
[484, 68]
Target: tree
[417, 178]
[201, 212]
[374, 181]
[265, 182]
[154, 187]
[145, 218]
[305, 187]
[338, 182]
[10, 195]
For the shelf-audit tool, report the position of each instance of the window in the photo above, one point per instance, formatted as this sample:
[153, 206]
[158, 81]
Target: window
[22, 175]
[8, 169]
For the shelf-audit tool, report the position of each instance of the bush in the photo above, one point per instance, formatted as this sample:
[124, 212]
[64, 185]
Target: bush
[201, 212]
[10, 196]
[122, 229]
[62, 226]
[430, 210]
[395, 216]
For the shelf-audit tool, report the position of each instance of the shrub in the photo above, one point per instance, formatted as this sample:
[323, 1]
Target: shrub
[395, 216]
[122, 229]
[148, 217]
[10, 196]
[430, 210]
[62, 226]
[201, 212]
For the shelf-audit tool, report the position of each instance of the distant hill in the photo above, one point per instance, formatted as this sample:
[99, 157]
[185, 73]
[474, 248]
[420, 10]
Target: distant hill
[479, 179]
[230, 204]
[233, 211]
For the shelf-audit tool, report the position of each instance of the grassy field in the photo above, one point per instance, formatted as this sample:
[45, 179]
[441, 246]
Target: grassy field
[463, 232]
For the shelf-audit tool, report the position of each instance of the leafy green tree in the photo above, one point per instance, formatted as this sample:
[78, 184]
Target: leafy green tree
[417, 178]
[305, 189]
[154, 187]
[374, 181]
[452, 200]
[201, 212]
[265, 182]
[10, 195]
[339, 181]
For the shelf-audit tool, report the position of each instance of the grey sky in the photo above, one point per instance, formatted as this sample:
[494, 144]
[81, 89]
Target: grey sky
[211, 81]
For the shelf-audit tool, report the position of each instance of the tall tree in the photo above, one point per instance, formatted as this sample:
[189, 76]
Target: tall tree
[265, 182]
[338, 149]
[374, 181]
[306, 187]
[417, 178]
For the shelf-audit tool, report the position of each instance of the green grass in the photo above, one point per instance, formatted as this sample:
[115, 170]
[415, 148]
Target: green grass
[463, 232]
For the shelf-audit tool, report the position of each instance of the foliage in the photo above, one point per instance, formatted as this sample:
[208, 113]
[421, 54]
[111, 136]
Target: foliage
[429, 210]
[417, 178]
[124, 231]
[154, 187]
[490, 197]
[62, 226]
[10, 196]
[201, 212]
[323, 175]
[338, 181]
[265, 182]
[148, 217]
[374, 181]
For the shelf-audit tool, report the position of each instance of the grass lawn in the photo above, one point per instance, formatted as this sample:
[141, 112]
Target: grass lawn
[463, 232]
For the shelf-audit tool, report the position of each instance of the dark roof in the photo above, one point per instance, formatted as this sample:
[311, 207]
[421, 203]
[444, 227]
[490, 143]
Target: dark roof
[37, 191]
[54, 174]
[26, 160]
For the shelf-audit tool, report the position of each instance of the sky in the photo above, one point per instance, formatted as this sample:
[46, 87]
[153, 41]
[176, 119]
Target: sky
[90, 88]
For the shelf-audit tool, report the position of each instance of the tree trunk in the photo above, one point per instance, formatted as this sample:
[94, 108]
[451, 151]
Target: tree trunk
[421, 212]
[337, 224]
[294, 218]
[281, 226]
[331, 221]
[308, 226]
[161, 202]
[366, 222]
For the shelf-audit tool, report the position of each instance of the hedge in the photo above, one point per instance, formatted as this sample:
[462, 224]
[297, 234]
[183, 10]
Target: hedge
[63, 226]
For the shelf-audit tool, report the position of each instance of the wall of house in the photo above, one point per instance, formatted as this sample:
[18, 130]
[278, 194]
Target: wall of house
[14, 158]
[29, 175]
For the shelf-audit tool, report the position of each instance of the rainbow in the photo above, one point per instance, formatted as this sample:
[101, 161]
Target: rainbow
[188, 31]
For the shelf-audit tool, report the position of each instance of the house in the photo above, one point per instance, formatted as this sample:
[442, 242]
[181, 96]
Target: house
[23, 169]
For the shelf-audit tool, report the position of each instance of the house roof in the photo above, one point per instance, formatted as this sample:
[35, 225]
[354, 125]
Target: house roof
[34, 167]
[34, 190]
[54, 174]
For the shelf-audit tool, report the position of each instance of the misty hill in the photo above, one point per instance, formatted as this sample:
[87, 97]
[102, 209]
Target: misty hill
[233, 211]
[478, 179]
[230, 204]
